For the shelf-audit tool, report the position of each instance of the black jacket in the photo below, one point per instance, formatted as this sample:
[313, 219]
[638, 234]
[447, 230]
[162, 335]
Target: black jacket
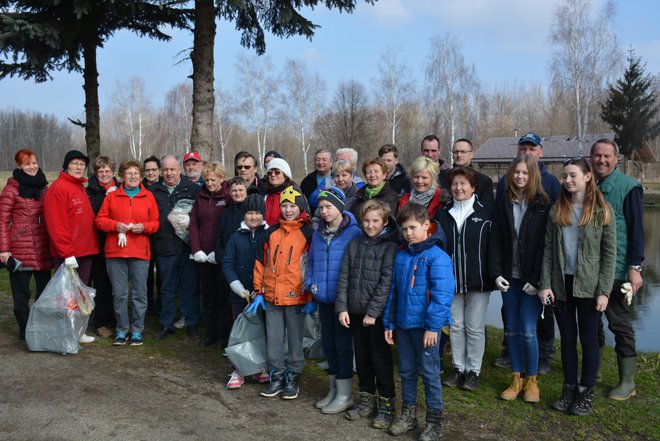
[484, 188]
[400, 181]
[96, 195]
[309, 184]
[229, 222]
[365, 277]
[468, 248]
[530, 242]
[239, 256]
[386, 195]
[166, 242]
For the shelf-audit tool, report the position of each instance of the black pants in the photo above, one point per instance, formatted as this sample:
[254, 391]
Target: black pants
[336, 341]
[618, 321]
[20, 290]
[545, 333]
[586, 325]
[153, 281]
[373, 357]
[104, 311]
[215, 302]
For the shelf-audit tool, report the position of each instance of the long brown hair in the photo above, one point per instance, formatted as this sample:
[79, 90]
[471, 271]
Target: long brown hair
[533, 188]
[593, 199]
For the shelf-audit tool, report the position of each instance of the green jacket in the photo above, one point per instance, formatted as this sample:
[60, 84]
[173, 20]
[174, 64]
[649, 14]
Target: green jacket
[596, 258]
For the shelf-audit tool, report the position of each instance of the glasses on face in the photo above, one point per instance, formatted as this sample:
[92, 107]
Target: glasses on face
[273, 172]
[243, 167]
[78, 163]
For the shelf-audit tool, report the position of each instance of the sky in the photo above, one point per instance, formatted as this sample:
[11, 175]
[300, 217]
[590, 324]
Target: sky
[506, 40]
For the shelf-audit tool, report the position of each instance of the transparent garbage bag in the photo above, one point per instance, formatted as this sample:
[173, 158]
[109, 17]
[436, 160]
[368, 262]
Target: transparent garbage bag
[179, 217]
[312, 346]
[247, 345]
[59, 317]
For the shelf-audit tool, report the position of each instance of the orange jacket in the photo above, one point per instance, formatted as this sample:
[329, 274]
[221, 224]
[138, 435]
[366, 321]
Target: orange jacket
[281, 267]
[118, 207]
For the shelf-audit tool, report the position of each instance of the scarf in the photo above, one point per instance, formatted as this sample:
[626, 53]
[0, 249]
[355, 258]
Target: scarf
[30, 187]
[423, 199]
[373, 192]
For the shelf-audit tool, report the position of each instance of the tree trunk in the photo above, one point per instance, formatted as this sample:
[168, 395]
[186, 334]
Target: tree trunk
[91, 88]
[202, 136]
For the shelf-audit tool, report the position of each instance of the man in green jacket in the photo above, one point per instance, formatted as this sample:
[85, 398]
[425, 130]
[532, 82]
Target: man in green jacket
[625, 195]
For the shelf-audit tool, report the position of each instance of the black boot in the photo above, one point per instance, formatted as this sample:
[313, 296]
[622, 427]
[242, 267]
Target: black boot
[275, 386]
[21, 319]
[290, 391]
[433, 429]
[584, 403]
[567, 398]
[385, 413]
[405, 422]
[365, 407]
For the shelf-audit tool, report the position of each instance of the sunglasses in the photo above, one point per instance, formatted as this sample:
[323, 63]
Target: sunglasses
[575, 159]
[243, 167]
[273, 172]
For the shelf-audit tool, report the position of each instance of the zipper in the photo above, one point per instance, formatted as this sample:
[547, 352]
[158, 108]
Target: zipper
[275, 257]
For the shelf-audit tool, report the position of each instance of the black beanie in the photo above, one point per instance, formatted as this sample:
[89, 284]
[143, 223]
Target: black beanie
[255, 202]
[335, 196]
[272, 153]
[74, 154]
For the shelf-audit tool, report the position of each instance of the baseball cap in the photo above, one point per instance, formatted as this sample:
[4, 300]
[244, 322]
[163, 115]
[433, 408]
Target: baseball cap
[531, 138]
[192, 155]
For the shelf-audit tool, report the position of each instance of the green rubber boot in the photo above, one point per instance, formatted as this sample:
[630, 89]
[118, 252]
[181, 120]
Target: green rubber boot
[626, 387]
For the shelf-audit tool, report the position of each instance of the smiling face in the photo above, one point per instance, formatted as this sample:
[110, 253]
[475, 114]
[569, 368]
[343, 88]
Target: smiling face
[276, 177]
[461, 189]
[375, 176]
[253, 219]
[151, 172]
[574, 179]
[603, 160]
[289, 210]
[104, 175]
[373, 223]
[213, 182]
[422, 181]
[238, 193]
[131, 177]
[30, 166]
[462, 154]
[322, 163]
[521, 176]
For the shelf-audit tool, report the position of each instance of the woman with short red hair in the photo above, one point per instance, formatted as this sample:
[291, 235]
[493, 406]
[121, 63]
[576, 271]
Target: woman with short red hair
[24, 244]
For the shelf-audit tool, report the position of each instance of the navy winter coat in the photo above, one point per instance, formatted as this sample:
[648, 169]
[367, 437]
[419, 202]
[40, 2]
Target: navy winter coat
[239, 256]
[325, 258]
[422, 287]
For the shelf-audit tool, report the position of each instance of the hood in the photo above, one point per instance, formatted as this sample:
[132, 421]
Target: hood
[398, 171]
[392, 233]
[243, 228]
[347, 220]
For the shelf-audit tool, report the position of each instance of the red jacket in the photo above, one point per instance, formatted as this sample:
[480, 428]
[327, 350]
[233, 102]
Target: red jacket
[119, 207]
[205, 218]
[70, 218]
[23, 229]
[273, 208]
[434, 205]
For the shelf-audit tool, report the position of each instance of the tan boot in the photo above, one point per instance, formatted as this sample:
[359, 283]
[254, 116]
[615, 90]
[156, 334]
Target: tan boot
[531, 389]
[514, 389]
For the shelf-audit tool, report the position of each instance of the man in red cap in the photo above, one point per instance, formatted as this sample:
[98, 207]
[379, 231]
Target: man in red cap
[192, 163]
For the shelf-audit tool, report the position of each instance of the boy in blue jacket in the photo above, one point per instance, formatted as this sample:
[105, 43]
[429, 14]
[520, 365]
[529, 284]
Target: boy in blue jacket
[418, 307]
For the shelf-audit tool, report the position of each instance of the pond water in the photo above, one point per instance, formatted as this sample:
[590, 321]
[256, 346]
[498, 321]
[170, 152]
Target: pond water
[646, 304]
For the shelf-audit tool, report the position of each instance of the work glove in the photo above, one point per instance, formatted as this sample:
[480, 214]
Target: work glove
[313, 288]
[110, 189]
[121, 239]
[237, 287]
[309, 308]
[71, 262]
[211, 258]
[200, 257]
[254, 307]
[502, 284]
[529, 289]
[627, 291]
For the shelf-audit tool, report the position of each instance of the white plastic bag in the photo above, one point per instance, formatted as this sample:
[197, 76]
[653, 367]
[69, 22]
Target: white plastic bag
[59, 318]
[247, 345]
[179, 217]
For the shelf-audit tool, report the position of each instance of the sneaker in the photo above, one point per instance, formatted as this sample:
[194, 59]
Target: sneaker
[261, 377]
[235, 381]
[471, 382]
[180, 324]
[454, 378]
[136, 339]
[163, 333]
[120, 339]
[291, 388]
[275, 386]
[87, 339]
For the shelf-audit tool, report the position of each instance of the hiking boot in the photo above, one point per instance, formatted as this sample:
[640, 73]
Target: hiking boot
[275, 386]
[332, 391]
[503, 360]
[120, 339]
[235, 381]
[343, 397]
[193, 332]
[365, 407]
[454, 378]
[531, 389]
[514, 389]
[163, 333]
[544, 366]
[385, 413]
[568, 394]
[290, 391]
[136, 339]
[626, 387]
[433, 430]
[471, 382]
[584, 402]
[405, 422]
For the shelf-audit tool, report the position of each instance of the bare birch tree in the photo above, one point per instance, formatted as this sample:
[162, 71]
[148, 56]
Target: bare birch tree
[351, 117]
[395, 87]
[586, 55]
[225, 108]
[132, 110]
[178, 118]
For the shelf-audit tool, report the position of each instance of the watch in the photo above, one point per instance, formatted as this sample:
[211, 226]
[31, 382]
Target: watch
[637, 268]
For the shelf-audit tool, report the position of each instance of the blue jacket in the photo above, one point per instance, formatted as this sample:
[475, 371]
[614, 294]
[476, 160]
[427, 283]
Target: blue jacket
[239, 256]
[325, 258]
[422, 287]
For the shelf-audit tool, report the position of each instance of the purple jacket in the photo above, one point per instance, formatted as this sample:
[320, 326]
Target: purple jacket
[204, 217]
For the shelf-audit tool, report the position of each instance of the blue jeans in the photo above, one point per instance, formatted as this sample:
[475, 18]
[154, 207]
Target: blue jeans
[178, 272]
[120, 272]
[522, 312]
[337, 343]
[413, 356]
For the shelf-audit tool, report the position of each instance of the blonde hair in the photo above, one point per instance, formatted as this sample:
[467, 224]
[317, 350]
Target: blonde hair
[422, 163]
[214, 167]
[342, 166]
[376, 205]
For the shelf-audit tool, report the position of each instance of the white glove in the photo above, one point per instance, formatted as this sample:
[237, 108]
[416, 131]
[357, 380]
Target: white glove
[502, 284]
[110, 189]
[529, 289]
[200, 256]
[627, 291]
[71, 262]
[121, 239]
[211, 258]
[313, 288]
[237, 287]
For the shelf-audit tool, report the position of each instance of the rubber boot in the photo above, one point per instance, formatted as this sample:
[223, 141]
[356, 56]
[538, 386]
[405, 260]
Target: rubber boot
[385, 413]
[568, 394]
[626, 387]
[276, 384]
[405, 422]
[599, 372]
[433, 429]
[584, 403]
[343, 398]
[531, 389]
[514, 389]
[332, 390]
[365, 408]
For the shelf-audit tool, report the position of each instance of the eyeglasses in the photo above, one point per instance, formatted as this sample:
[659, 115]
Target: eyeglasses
[243, 167]
[273, 172]
[78, 163]
[575, 159]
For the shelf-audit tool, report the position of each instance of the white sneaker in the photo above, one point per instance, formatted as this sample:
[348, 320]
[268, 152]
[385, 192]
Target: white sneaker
[180, 324]
[87, 339]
